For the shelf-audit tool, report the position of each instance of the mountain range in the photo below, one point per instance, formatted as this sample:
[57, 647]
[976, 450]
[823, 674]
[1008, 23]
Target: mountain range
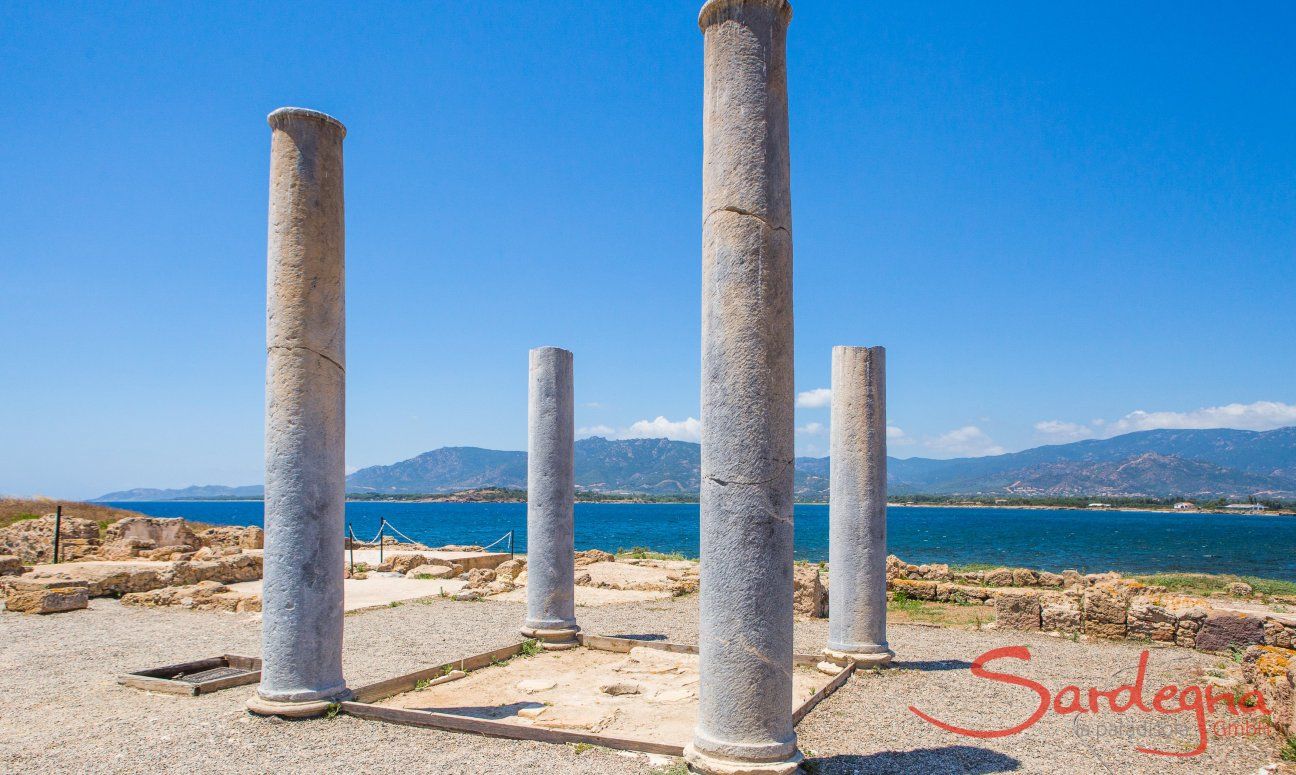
[1161, 463]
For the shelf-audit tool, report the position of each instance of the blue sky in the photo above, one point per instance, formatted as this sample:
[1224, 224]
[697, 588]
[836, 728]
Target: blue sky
[1062, 221]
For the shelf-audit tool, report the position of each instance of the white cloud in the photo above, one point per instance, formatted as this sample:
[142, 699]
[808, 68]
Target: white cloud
[897, 436]
[1258, 416]
[969, 440]
[814, 399]
[607, 431]
[1061, 431]
[812, 428]
[681, 430]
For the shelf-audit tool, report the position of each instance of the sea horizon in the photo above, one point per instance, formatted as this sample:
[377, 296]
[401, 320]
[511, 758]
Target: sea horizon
[1052, 539]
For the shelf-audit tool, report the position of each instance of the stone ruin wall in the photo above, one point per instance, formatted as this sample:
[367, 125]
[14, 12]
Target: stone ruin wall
[1104, 605]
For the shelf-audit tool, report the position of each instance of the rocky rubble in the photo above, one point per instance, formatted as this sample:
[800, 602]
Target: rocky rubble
[809, 597]
[1272, 671]
[203, 596]
[251, 537]
[32, 540]
[118, 579]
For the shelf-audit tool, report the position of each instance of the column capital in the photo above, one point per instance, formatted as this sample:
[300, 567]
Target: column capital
[715, 10]
[277, 118]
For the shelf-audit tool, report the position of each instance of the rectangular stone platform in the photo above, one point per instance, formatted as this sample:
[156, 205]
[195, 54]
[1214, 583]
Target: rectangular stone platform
[612, 692]
[198, 677]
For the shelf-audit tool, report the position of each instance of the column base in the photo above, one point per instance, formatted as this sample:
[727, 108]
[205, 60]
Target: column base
[861, 659]
[306, 709]
[710, 765]
[553, 640]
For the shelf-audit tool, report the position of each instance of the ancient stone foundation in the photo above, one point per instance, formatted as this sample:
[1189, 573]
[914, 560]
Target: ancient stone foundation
[1099, 605]
[305, 418]
[744, 722]
[551, 590]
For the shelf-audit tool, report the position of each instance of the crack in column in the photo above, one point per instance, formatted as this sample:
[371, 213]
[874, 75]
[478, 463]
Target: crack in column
[739, 211]
[341, 368]
[727, 482]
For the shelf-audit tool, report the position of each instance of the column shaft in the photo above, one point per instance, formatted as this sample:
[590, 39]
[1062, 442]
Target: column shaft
[857, 507]
[305, 418]
[745, 631]
[551, 588]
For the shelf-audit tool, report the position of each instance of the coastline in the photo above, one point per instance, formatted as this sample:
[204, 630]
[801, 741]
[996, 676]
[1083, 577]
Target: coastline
[890, 504]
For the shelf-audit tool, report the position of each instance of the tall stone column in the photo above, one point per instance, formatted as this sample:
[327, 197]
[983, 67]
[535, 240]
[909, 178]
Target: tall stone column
[744, 722]
[857, 548]
[551, 558]
[305, 419]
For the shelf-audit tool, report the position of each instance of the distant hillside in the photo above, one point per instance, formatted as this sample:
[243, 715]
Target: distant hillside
[1217, 463]
[1189, 463]
[444, 470]
[196, 492]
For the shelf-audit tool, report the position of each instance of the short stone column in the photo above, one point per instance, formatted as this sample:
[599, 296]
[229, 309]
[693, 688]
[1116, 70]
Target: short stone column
[857, 549]
[305, 471]
[551, 550]
[744, 722]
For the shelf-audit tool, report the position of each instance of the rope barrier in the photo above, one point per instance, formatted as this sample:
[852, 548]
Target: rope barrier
[402, 535]
[396, 531]
[501, 538]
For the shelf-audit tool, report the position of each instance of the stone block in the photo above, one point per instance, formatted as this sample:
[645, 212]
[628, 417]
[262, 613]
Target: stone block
[808, 596]
[162, 531]
[1149, 617]
[1105, 608]
[42, 598]
[1188, 626]
[126, 549]
[1269, 670]
[510, 570]
[1062, 613]
[1280, 633]
[999, 577]
[1047, 579]
[1017, 611]
[591, 556]
[10, 565]
[1240, 589]
[1225, 630]
[1025, 577]
[430, 571]
[915, 589]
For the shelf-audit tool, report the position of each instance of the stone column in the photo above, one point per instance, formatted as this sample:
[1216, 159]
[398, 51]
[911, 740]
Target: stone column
[857, 548]
[744, 722]
[305, 480]
[551, 558]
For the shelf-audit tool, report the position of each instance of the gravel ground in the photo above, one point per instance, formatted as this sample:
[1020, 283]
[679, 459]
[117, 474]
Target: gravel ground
[63, 711]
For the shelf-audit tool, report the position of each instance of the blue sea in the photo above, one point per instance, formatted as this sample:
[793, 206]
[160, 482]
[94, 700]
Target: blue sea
[1054, 540]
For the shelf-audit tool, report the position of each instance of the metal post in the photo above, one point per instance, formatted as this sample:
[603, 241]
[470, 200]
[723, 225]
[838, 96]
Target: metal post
[382, 525]
[351, 545]
[58, 528]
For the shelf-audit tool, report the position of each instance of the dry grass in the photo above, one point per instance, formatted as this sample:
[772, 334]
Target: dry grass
[902, 609]
[17, 509]
[1208, 584]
